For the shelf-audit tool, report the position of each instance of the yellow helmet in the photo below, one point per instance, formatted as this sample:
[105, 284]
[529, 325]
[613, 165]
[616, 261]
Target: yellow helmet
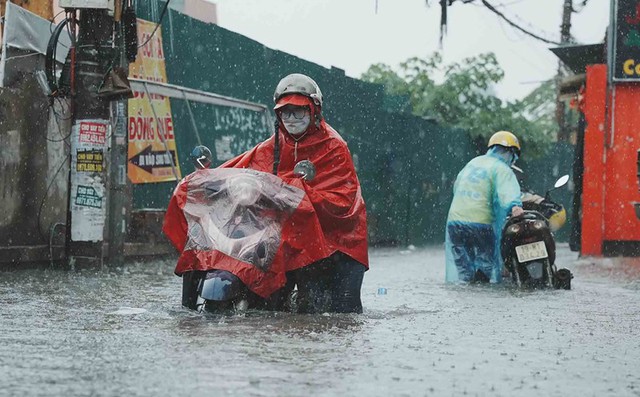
[506, 139]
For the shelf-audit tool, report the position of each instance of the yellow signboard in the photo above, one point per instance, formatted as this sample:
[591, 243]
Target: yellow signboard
[152, 147]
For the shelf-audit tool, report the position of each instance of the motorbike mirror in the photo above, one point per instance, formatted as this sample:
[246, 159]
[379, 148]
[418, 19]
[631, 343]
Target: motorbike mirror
[305, 169]
[561, 182]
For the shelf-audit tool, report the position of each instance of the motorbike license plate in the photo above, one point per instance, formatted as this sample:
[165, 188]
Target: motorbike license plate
[532, 251]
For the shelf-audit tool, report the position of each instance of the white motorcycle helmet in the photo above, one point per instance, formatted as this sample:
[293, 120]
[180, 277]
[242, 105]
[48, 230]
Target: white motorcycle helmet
[301, 84]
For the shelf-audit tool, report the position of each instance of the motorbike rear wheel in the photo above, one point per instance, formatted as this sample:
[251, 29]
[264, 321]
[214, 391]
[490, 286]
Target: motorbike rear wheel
[516, 273]
[549, 273]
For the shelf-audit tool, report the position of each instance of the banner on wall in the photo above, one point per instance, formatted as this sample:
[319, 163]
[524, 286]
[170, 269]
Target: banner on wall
[151, 151]
[89, 143]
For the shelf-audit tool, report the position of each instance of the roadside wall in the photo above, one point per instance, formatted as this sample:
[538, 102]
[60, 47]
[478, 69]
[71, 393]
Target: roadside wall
[33, 165]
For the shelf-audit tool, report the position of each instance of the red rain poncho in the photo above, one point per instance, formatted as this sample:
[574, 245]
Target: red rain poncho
[330, 218]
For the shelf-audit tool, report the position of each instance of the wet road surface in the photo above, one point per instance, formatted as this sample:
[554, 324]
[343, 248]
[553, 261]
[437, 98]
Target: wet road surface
[122, 332]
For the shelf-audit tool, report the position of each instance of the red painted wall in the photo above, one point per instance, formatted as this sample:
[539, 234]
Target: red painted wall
[593, 181]
[621, 184]
[610, 184]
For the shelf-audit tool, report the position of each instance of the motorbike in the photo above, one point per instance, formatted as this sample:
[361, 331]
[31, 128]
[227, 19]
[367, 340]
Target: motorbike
[528, 246]
[239, 213]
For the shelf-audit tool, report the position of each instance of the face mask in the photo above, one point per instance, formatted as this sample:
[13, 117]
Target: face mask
[295, 126]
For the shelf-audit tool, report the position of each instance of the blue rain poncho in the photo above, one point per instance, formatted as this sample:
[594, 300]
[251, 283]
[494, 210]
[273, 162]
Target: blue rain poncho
[484, 193]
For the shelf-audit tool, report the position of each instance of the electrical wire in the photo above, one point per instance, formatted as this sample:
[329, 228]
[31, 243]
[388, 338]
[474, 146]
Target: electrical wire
[52, 20]
[52, 229]
[50, 58]
[51, 54]
[513, 24]
[522, 22]
[46, 195]
[58, 118]
[509, 4]
[63, 105]
[530, 59]
[164, 11]
[22, 56]
[64, 111]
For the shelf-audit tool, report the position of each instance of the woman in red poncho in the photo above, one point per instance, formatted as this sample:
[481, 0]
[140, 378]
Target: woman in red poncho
[325, 249]
[324, 242]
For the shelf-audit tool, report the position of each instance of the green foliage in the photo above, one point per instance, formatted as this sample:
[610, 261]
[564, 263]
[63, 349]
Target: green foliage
[465, 98]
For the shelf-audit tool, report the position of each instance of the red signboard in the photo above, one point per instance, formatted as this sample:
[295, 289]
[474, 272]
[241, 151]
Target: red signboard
[93, 133]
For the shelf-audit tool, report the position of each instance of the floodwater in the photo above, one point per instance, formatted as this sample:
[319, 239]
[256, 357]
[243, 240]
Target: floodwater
[122, 332]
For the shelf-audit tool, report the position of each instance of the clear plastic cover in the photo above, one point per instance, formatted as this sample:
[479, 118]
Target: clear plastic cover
[239, 212]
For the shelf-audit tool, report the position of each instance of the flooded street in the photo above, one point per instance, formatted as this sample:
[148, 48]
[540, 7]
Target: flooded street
[122, 332]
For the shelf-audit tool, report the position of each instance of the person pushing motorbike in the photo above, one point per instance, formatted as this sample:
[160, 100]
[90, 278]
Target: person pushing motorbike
[485, 192]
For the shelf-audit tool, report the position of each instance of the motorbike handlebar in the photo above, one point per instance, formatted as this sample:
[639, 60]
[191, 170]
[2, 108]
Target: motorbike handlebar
[528, 214]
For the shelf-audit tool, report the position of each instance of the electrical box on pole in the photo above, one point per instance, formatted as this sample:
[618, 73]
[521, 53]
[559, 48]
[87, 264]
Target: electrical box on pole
[95, 4]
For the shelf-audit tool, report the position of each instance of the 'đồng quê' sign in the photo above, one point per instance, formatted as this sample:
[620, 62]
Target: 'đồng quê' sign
[152, 154]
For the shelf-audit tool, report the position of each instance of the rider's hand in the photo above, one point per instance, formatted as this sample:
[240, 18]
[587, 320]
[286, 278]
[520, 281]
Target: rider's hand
[517, 211]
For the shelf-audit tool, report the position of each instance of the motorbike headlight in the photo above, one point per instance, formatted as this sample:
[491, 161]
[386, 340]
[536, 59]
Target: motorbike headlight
[243, 190]
[220, 286]
[514, 229]
[538, 225]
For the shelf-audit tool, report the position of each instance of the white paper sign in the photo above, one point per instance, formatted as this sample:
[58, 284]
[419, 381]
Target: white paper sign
[89, 140]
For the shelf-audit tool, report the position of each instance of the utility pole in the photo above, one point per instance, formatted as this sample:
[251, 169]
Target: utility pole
[565, 28]
[86, 219]
[565, 38]
[95, 51]
[119, 186]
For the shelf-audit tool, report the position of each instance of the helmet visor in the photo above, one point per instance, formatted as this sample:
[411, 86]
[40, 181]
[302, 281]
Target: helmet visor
[293, 99]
